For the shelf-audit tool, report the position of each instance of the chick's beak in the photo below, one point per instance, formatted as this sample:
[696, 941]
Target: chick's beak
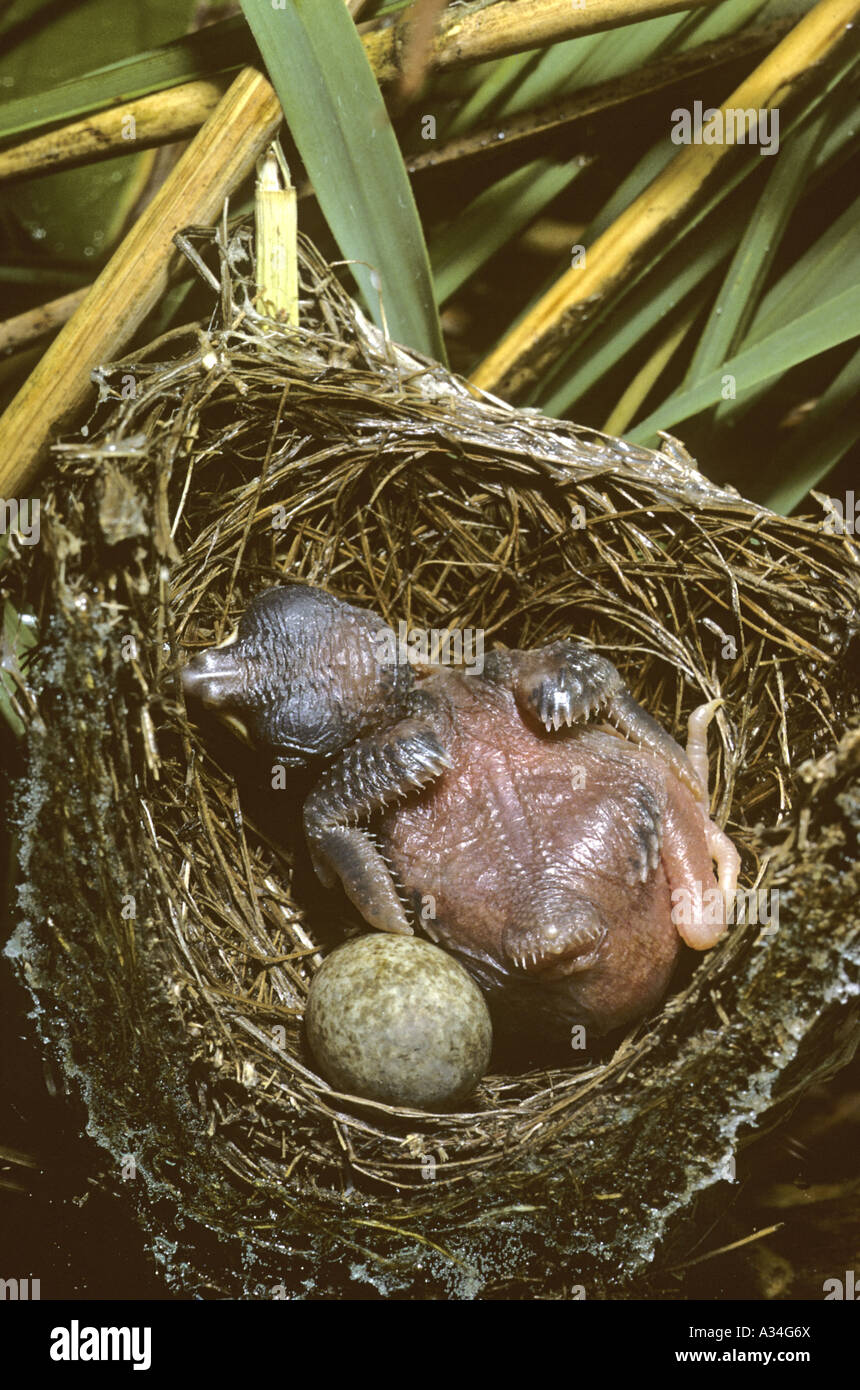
[213, 676]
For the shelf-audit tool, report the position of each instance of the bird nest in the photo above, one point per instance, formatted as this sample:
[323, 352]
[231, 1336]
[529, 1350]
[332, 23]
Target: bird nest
[170, 924]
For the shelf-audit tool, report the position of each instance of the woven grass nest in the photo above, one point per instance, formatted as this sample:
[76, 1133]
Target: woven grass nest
[169, 920]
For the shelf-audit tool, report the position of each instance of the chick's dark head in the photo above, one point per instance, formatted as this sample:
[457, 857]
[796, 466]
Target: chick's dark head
[304, 675]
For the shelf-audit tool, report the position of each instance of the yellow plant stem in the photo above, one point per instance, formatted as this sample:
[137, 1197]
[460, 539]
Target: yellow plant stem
[277, 239]
[17, 333]
[645, 378]
[25, 329]
[459, 38]
[136, 276]
[664, 71]
[138, 125]
[510, 26]
[526, 352]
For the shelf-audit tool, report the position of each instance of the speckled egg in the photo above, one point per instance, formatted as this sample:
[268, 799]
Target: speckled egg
[397, 1020]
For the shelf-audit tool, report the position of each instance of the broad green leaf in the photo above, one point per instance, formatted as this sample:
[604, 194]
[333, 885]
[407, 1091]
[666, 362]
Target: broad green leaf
[337, 117]
[219, 47]
[76, 215]
[835, 321]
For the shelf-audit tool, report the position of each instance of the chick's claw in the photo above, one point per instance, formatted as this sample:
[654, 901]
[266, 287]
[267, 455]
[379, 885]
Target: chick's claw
[565, 942]
[562, 684]
[566, 684]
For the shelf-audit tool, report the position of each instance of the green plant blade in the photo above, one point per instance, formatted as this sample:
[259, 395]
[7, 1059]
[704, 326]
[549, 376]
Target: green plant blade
[831, 261]
[741, 289]
[655, 297]
[827, 433]
[524, 81]
[835, 321]
[504, 75]
[493, 218]
[834, 149]
[337, 117]
[828, 267]
[639, 389]
[652, 163]
[59, 277]
[629, 49]
[705, 26]
[217, 48]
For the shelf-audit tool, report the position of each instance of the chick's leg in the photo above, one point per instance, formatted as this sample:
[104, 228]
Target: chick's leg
[370, 774]
[566, 683]
[701, 902]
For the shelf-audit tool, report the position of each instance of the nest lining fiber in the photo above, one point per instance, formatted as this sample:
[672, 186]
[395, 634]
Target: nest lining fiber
[170, 923]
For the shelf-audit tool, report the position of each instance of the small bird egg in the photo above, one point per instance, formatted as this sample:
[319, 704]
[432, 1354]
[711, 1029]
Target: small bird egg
[397, 1020]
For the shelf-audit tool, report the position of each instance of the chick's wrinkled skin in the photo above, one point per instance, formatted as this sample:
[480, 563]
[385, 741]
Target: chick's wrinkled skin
[300, 677]
[547, 853]
[547, 863]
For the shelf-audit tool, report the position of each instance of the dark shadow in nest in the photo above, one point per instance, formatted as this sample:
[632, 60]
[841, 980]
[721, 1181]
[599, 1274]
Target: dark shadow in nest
[327, 455]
